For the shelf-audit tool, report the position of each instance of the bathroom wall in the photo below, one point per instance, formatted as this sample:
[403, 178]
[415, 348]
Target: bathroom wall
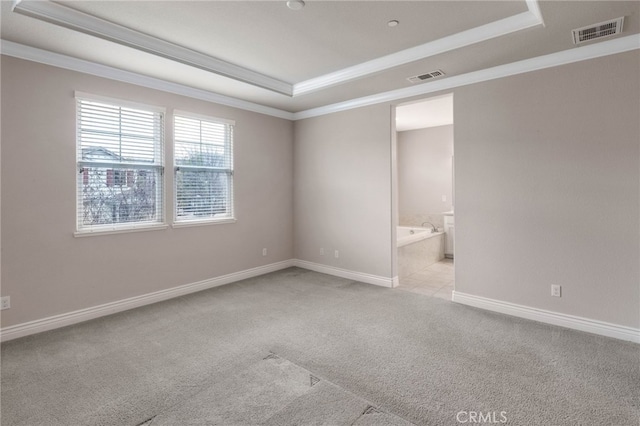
[425, 174]
[47, 271]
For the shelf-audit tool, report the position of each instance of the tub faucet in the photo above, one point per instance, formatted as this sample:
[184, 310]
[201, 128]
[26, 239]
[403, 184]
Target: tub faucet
[433, 228]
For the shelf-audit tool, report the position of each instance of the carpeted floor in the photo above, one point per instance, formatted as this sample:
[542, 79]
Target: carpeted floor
[297, 347]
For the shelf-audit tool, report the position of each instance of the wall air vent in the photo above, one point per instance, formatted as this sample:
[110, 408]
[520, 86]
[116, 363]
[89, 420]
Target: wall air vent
[424, 77]
[596, 31]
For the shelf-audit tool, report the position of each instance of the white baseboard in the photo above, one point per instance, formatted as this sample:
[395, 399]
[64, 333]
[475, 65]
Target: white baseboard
[569, 321]
[62, 320]
[564, 320]
[345, 273]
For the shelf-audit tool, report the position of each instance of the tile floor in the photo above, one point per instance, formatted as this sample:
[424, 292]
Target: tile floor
[435, 280]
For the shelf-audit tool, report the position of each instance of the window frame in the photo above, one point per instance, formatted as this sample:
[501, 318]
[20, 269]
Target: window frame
[158, 166]
[229, 146]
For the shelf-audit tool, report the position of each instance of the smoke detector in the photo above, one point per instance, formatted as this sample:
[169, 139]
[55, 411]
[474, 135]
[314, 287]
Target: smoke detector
[295, 4]
[596, 31]
[427, 76]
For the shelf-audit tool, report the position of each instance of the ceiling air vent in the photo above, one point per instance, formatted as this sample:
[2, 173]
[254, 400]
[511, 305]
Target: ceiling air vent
[424, 77]
[592, 32]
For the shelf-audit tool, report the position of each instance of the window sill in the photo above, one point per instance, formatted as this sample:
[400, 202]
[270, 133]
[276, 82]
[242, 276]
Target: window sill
[190, 223]
[115, 230]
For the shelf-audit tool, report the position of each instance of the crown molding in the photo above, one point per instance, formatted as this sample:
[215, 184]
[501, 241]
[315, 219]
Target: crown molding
[469, 37]
[605, 48]
[534, 8]
[33, 54]
[67, 17]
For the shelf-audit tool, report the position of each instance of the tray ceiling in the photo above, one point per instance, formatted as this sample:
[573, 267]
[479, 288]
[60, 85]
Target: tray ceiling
[328, 52]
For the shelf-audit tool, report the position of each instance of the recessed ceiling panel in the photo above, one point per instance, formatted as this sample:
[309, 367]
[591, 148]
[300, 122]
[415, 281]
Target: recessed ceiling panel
[293, 46]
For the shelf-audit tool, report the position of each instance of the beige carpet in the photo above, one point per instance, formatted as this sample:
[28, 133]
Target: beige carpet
[300, 348]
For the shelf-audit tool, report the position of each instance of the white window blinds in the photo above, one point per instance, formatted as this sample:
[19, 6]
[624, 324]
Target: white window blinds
[120, 165]
[203, 157]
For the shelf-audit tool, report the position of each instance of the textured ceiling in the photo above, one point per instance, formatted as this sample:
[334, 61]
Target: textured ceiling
[324, 37]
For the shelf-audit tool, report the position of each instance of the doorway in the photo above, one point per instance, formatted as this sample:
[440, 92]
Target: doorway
[425, 196]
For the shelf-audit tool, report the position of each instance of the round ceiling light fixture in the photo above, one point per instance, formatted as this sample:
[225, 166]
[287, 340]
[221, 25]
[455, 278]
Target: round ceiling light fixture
[393, 23]
[295, 4]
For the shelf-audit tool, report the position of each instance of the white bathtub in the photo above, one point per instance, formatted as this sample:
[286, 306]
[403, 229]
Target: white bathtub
[419, 249]
[411, 234]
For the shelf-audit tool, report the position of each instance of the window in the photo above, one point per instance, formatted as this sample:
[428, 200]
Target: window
[203, 157]
[120, 165]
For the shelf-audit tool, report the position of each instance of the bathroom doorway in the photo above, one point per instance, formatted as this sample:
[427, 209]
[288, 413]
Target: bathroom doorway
[425, 196]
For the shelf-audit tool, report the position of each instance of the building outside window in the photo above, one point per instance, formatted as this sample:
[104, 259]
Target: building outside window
[203, 168]
[120, 165]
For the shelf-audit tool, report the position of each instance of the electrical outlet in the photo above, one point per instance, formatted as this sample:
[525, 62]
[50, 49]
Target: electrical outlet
[321, 251]
[336, 254]
[264, 251]
[444, 198]
[556, 290]
[5, 302]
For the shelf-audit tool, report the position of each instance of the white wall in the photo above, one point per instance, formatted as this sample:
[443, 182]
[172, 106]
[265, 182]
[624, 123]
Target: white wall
[47, 271]
[547, 191]
[548, 186]
[342, 190]
[425, 174]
